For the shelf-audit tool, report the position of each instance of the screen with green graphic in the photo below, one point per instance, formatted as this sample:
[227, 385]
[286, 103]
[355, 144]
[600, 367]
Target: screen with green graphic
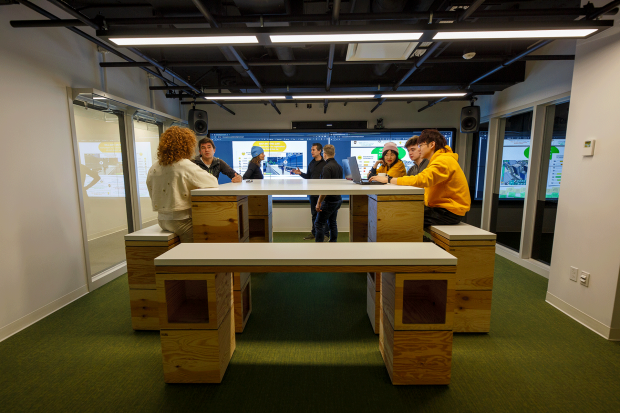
[515, 162]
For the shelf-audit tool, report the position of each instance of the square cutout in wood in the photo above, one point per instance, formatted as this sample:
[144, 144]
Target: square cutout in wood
[187, 301]
[424, 301]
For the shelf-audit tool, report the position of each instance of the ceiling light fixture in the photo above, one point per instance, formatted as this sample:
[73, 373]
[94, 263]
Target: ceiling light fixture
[422, 95]
[348, 37]
[513, 34]
[250, 97]
[174, 41]
[334, 97]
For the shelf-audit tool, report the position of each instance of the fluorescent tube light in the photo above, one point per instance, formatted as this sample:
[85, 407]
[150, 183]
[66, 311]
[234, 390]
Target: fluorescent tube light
[349, 37]
[334, 97]
[423, 95]
[514, 34]
[166, 41]
[250, 97]
[99, 98]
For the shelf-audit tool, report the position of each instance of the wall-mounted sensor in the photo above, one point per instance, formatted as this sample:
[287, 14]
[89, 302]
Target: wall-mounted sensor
[588, 147]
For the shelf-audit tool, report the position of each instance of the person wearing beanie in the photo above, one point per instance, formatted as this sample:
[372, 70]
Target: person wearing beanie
[254, 170]
[389, 163]
[446, 192]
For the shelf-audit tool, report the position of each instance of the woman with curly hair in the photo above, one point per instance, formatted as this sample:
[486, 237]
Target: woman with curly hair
[171, 179]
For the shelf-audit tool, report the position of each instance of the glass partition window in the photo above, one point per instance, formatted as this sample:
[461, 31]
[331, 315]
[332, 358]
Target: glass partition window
[146, 135]
[507, 218]
[99, 135]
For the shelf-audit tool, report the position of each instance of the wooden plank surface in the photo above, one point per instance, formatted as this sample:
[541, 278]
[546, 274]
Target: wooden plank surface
[144, 309]
[197, 356]
[358, 205]
[398, 221]
[243, 306]
[240, 279]
[172, 242]
[259, 205]
[461, 243]
[397, 197]
[220, 221]
[218, 198]
[472, 312]
[476, 266]
[218, 303]
[417, 357]
[140, 265]
[358, 228]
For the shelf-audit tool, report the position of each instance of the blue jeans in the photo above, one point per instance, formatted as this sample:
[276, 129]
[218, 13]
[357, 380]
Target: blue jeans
[328, 215]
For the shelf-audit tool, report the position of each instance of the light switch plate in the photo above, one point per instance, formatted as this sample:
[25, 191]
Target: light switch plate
[574, 273]
[588, 147]
[584, 278]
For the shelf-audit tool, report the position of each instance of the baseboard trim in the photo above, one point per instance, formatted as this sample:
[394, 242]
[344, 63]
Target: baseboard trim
[532, 265]
[612, 334]
[29, 319]
[108, 275]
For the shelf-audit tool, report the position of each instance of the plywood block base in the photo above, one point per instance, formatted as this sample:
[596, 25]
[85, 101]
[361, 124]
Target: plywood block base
[140, 264]
[220, 220]
[472, 312]
[243, 306]
[358, 228]
[417, 357]
[261, 229]
[198, 356]
[395, 220]
[144, 309]
[372, 307]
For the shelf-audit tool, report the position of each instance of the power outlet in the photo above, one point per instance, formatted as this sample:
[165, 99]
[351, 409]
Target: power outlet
[574, 273]
[584, 278]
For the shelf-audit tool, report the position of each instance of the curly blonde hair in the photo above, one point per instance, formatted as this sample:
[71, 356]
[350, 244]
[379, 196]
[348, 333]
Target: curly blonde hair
[176, 144]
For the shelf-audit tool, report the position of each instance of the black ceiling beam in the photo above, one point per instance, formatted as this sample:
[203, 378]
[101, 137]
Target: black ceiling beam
[415, 67]
[214, 24]
[254, 102]
[81, 17]
[332, 49]
[364, 17]
[470, 10]
[436, 60]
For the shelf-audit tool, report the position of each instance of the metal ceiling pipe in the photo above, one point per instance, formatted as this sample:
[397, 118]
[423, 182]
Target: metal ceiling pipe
[108, 48]
[332, 49]
[415, 67]
[209, 17]
[603, 10]
[309, 18]
[81, 17]
[470, 10]
[286, 54]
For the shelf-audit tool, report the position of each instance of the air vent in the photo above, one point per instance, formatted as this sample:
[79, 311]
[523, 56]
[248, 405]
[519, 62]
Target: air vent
[380, 51]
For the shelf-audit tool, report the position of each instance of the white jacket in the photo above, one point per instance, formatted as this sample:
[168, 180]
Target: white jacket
[170, 185]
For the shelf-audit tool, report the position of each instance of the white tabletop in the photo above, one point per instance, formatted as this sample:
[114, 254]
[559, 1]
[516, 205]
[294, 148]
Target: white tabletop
[152, 233]
[306, 187]
[462, 231]
[322, 253]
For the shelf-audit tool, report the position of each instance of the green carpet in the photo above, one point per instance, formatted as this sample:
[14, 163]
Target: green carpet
[309, 347]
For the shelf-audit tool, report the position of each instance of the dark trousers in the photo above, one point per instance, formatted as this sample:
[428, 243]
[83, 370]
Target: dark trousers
[440, 216]
[313, 201]
[328, 214]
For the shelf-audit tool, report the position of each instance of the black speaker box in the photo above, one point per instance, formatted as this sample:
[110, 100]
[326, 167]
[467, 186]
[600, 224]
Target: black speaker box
[470, 119]
[198, 121]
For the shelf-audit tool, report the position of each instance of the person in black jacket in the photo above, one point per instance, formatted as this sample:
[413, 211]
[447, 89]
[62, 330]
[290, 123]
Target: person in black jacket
[327, 206]
[315, 167]
[254, 170]
[208, 162]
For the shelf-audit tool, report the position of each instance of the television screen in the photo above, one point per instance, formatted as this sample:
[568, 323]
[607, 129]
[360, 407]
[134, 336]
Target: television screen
[286, 151]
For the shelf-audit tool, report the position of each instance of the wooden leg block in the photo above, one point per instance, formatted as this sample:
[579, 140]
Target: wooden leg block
[381, 339]
[198, 356]
[243, 306]
[240, 279]
[472, 312]
[372, 307]
[225, 221]
[144, 309]
[417, 357]
[261, 228]
[395, 221]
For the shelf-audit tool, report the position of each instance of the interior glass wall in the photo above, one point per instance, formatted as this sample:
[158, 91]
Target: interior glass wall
[507, 210]
[550, 178]
[477, 174]
[146, 135]
[100, 136]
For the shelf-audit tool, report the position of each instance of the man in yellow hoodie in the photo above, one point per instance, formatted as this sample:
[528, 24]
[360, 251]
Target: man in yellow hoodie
[446, 197]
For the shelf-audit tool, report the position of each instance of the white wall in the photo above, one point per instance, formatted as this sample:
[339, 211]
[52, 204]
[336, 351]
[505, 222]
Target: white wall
[588, 223]
[543, 79]
[42, 264]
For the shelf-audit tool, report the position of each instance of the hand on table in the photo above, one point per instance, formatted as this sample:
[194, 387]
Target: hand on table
[376, 178]
[237, 178]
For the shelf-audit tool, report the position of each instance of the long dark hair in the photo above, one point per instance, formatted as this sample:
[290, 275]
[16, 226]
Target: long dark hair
[255, 160]
[385, 162]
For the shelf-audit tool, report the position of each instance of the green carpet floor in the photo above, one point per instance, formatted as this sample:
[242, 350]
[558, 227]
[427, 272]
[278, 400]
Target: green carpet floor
[309, 347]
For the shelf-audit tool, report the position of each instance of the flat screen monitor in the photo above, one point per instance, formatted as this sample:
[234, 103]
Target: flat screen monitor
[286, 151]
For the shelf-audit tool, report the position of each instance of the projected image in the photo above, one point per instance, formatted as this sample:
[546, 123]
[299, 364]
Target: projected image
[515, 163]
[369, 152]
[281, 157]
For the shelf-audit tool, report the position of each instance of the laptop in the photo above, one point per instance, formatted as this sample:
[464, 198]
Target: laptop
[355, 173]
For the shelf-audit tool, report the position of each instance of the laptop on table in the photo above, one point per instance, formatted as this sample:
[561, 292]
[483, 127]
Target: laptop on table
[355, 173]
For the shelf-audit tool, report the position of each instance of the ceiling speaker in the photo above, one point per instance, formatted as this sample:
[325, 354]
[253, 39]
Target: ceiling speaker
[198, 121]
[470, 119]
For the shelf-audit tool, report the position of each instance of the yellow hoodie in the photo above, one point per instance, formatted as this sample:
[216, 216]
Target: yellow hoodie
[445, 182]
[396, 171]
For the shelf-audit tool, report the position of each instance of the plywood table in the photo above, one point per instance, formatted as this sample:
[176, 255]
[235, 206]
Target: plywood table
[141, 248]
[475, 250]
[418, 296]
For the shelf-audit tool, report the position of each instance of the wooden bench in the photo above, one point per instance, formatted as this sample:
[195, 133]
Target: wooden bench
[141, 248]
[417, 291]
[475, 250]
